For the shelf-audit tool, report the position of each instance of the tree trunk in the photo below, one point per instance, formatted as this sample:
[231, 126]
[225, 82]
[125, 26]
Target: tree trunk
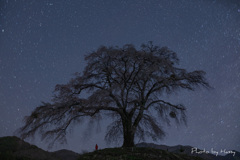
[128, 133]
[128, 140]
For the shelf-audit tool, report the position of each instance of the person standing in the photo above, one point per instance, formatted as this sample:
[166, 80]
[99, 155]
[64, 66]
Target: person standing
[96, 147]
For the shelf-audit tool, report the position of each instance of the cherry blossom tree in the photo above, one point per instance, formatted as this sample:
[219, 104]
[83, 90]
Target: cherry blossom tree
[125, 84]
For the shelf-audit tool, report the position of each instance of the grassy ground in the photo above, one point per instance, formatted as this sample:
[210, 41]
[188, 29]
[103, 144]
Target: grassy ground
[134, 154]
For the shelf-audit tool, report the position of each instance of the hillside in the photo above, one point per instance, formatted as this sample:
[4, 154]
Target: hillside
[136, 153]
[149, 151]
[179, 149]
[13, 148]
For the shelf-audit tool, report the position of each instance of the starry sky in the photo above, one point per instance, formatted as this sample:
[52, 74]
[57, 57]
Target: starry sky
[43, 43]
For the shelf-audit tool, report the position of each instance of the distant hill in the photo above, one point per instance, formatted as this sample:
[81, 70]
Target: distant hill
[66, 154]
[13, 148]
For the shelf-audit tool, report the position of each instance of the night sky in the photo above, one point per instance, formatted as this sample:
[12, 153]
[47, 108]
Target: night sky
[43, 43]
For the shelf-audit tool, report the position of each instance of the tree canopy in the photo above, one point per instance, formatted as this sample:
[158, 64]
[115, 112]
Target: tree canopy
[125, 84]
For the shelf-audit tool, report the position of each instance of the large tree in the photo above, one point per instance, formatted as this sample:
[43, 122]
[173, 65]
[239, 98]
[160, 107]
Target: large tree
[125, 84]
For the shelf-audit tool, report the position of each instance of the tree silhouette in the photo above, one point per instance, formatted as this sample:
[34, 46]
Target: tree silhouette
[125, 84]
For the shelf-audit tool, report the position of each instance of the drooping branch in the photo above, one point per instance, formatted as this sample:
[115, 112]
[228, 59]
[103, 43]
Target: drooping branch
[179, 107]
[61, 115]
[114, 131]
[149, 127]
